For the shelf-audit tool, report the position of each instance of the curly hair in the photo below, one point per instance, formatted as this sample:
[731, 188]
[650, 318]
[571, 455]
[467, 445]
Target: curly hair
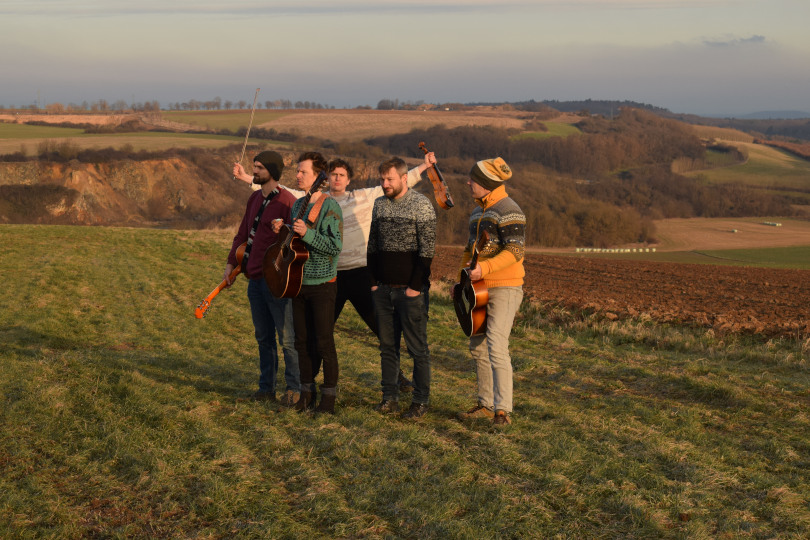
[318, 161]
[337, 162]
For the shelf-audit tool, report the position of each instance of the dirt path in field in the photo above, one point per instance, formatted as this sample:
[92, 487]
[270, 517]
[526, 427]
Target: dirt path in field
[771, 302]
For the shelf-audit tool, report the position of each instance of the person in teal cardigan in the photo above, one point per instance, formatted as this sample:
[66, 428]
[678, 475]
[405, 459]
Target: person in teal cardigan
[321, 231]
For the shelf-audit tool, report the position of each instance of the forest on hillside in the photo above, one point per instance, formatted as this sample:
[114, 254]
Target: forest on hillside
[601, 188]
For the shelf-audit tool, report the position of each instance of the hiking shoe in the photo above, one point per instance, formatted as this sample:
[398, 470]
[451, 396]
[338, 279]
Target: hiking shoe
[479, 411]
[263, 395]
[405, 385]
[501, 419]
[387, 406]
[417, 410]
[290, 398]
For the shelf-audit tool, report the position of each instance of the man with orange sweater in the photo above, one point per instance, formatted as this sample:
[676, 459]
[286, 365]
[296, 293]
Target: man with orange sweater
[500, 265]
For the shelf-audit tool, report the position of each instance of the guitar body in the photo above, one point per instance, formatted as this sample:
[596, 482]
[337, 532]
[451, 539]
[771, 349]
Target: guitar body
[202, 309]
[283, 265]
[470, 300]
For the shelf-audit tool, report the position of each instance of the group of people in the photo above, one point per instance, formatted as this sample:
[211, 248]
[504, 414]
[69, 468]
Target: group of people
[373, 247]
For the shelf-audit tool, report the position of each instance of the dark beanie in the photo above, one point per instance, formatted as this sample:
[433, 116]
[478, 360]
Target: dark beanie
[490, 173]
[273, 162]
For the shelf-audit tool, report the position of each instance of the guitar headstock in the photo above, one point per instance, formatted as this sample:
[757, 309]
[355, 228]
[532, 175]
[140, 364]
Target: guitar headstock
[316, 185]
[202, 309]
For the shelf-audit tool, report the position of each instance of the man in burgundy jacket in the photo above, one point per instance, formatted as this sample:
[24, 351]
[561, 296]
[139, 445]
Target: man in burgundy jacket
[271, 315]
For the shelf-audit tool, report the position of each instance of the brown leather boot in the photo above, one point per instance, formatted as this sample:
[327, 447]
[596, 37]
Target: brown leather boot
[305, 401]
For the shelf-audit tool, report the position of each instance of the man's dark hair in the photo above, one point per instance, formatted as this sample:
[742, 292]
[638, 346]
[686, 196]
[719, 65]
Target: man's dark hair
[335, 163]
[318, 161]
[395, 162]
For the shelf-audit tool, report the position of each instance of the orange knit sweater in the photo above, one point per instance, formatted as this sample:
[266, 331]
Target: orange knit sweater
[501, 258]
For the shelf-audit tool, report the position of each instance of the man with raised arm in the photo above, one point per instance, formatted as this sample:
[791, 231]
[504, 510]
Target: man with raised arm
[401, 246]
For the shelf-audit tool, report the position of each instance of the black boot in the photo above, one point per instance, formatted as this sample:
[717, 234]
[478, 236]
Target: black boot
[327, 404]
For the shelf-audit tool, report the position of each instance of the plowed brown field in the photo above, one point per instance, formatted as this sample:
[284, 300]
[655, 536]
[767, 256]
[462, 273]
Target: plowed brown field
[772, 302]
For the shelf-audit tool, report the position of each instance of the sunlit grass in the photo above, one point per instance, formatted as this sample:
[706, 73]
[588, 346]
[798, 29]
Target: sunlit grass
[123, 416]
[555, 129]
[766, 167]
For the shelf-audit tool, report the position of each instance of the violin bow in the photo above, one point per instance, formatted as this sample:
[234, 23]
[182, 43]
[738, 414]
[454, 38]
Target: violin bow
[250, 125]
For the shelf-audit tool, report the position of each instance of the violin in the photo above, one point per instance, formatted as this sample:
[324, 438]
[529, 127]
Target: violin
[440, 189]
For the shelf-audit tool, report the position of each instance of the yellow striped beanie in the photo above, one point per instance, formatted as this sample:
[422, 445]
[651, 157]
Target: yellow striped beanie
[490, 173]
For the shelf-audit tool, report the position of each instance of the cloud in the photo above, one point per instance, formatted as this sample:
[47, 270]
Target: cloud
[100, 8]
[734, 42]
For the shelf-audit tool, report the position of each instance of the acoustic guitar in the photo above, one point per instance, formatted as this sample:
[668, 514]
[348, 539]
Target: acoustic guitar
[470, 297]
[283, 264]
[202, 309]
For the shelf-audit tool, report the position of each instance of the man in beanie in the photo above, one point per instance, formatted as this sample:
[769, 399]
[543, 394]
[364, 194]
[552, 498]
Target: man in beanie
[271, 316]
[500, 265]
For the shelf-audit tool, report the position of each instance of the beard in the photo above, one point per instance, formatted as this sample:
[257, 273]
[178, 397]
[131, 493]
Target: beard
[260, 181]
[393, 192]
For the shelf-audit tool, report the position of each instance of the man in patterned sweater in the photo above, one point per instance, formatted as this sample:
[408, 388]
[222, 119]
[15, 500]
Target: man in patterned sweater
[401, 245]
[500, 265]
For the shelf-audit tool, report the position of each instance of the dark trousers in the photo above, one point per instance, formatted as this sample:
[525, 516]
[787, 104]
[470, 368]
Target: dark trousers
[355, 286]
[313, 317]
[398, 312]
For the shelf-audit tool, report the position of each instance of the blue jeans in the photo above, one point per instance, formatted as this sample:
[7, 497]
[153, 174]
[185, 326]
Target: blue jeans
[396, 311]
[273, 316]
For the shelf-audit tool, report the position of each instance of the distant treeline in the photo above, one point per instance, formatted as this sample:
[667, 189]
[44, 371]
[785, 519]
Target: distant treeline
[601, 188]
[771, 128]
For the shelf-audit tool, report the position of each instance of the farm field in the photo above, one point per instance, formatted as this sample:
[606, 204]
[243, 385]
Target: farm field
[718, 233]
[723, 241]
[231, 120]
[768, 301]
[352, 125]
[125, 417]
[19, 137]
[766, 167]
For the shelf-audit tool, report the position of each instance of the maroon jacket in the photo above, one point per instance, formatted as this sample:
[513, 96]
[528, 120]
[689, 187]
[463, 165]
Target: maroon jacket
[279, 207]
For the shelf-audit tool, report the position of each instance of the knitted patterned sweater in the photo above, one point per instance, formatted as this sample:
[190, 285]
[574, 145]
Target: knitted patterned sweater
[402, 240]
[501, 259]
[324, 240]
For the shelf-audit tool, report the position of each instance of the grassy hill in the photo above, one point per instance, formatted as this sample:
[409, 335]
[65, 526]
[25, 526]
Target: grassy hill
[123, 416]
[765, 167]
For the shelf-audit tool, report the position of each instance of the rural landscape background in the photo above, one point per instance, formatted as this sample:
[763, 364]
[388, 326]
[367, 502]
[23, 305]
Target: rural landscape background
[661, 355]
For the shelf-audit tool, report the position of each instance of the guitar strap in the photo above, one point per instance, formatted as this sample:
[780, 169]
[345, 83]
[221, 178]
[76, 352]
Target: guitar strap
[255, 226]
[316, 209]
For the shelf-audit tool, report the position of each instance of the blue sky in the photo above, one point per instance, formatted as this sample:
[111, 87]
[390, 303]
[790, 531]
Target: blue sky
[694, 56]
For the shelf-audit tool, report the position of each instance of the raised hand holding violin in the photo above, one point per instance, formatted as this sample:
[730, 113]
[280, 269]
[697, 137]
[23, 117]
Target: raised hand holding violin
[440, 189]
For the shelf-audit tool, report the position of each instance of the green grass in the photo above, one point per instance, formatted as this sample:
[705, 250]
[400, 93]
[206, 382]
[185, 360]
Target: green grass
[122, 417]
[24, 131]
[555, 129]
[144, 140]
[232, 120]
[796, 257]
